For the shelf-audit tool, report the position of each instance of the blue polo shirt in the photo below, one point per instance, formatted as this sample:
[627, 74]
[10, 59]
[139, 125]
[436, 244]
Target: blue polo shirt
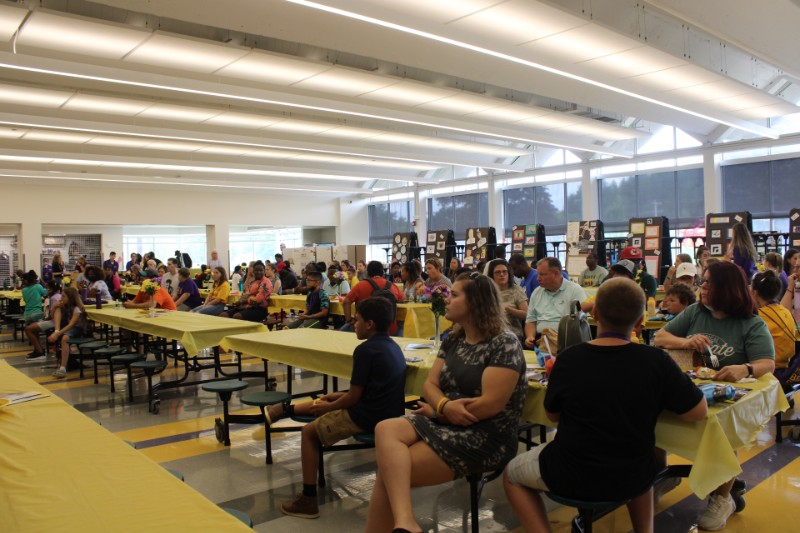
[546, 308]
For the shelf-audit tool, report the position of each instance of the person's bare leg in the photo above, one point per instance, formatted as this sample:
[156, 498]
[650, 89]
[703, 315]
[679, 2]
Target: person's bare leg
[641, 511]
[64, 351]
[528, 506]
[725, 488]
[309, 453]
[379, 515]
[32, 331]
[406, 461]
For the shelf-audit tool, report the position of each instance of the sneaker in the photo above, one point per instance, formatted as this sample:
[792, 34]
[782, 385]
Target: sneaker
[34, 356]
[664, 486]
[302, 507]
[716, 515]
[60, 373]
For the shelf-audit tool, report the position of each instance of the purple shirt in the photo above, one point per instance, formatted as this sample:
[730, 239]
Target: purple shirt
[113, 264]
[190, 287]
[747, 265]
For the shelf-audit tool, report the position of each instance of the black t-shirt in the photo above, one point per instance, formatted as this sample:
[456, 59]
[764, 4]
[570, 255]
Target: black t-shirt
[379, 367]
[609, 398]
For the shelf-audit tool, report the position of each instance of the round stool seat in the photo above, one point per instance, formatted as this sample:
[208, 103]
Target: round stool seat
[175, 473]
[149, 365]
[365, 438]
[13, 317]
[265, 398]
[126, 358]
[304, 419]
[241, 515]
[228, 385]
[581, 504]
[80, 340]
[109, 350]
[94, 345]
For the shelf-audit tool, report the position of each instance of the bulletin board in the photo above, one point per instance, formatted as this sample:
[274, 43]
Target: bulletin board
[479, 245]
[583, 238]
[440, 244]
[651, 235]
[719, 230]
[794, 228]
[528, 240]
[404, 247]
[300, 257]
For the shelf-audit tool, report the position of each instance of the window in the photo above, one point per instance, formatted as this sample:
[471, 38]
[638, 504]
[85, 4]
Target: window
[458, 213]
[767, 189]
[164, 246]
[677, 195]
[387, 219]
[550, 205]
[262, 244]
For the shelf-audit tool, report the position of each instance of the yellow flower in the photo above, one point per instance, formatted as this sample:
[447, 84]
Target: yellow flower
[66, 280]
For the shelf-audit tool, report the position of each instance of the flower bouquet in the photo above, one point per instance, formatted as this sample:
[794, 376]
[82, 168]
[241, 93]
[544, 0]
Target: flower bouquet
[66, 281]
[437, 296]
[150, 287]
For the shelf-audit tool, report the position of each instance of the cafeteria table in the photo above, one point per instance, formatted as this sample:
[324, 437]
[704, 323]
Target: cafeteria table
[63, 472]
[710, 444]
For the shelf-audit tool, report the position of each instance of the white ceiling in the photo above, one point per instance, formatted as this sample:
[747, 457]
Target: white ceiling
[271, 94]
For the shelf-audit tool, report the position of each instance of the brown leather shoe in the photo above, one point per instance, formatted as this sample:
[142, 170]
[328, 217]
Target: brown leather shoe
[302, 507]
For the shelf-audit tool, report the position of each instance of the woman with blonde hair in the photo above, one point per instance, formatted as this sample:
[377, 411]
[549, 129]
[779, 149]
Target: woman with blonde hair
[742, 251]
[218, 296]
[475, 393]
[433, 267]
[70, 321]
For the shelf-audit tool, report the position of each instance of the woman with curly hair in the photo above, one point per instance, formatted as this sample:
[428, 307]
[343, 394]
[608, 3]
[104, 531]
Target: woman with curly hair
[474, 392]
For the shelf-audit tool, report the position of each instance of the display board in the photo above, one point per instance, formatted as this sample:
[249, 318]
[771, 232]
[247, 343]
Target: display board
[794, 228]
[479, 245]
[404, 247]
[651, 235]
[71, 247]
[583, 238]
[9, 261]
[719, 230]
[300, 257]
[528, 240]
[440, 244]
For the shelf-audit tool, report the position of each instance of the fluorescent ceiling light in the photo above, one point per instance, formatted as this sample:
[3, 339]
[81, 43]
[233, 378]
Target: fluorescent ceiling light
[106, 104]
[768, 132]
[179, 112]
[125, 142]
[517, 21]
[79, 36]
[56, 136]
[300, 126]
[223, 150]
[346, 82]
[184, 53]
[12, 94]
[408, 93]
[271, 68]
[242, 120]
[10, 19]
[175, 146]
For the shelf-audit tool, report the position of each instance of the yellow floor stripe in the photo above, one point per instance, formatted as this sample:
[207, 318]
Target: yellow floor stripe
[772, 505]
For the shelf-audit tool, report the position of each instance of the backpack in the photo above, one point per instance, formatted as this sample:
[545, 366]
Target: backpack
[385, 293]
[186, 260]
[573, 328]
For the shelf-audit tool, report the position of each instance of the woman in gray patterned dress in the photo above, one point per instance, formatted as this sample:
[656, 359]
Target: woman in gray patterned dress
[474, 391]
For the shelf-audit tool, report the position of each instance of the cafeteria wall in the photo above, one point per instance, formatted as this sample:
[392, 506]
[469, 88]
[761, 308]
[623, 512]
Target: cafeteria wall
[33, 209]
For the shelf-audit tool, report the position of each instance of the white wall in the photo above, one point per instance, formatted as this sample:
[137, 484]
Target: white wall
[92, 209]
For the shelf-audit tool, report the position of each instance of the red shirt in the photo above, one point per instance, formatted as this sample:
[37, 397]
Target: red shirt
[363, 290]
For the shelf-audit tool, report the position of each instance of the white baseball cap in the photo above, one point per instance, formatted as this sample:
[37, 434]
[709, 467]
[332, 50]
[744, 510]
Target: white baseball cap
[685, 269]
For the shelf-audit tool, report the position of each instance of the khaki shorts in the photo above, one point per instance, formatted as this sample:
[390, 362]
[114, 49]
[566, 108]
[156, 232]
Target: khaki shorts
[524, 469]
[335, 426]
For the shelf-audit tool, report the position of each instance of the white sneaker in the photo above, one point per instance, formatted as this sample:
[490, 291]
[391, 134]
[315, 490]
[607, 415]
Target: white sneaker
[60, 373]
[716, 515]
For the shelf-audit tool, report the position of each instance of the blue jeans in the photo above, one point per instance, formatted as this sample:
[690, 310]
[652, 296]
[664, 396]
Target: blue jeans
[215, 309]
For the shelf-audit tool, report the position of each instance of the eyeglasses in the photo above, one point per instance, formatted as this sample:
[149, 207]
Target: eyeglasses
[502, 272]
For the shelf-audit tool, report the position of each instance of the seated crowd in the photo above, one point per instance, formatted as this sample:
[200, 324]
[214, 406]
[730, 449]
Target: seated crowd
[476, 388]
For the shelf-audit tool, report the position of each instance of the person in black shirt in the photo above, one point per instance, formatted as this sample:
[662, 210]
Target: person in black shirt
[376, 393]
[604, 447]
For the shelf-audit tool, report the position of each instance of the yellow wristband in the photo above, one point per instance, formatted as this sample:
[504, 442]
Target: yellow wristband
[440, 405]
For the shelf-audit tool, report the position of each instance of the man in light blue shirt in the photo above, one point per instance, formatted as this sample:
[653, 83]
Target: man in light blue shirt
[550, 301]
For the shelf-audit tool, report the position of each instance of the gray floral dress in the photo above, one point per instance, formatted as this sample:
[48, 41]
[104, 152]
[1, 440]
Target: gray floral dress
[489, 444]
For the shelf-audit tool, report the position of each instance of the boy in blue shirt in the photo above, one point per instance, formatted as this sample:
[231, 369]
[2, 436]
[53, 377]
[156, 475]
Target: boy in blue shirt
[376, 393]
[318, 305]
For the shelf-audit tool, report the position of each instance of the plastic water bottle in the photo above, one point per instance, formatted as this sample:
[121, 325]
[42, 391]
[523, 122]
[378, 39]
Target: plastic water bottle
[651, 306]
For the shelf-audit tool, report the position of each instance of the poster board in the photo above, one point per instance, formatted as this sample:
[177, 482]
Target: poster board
[719, 230]
[651, 235]
[440, 244]
[300, 257]
[479, 245]
[584, 237]
[794, 228]
[528, 240]
[404, 247]
[325, 253]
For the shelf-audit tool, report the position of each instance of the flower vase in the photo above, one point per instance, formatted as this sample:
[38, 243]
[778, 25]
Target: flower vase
[153, 308]
[436, 336]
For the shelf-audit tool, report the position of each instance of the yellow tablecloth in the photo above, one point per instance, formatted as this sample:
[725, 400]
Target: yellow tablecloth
[13, 295]
[63, 472]
[193, 330]
[133, 290]
[417, 317]
[709, 444]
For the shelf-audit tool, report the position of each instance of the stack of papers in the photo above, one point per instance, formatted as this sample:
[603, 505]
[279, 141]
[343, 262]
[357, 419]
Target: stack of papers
[20, 397]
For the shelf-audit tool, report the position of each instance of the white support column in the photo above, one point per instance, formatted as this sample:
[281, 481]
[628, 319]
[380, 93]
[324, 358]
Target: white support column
[590, 197]
[496, 209]
[712, 183]
[421, 216]
[29, 245]
[218, 238]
